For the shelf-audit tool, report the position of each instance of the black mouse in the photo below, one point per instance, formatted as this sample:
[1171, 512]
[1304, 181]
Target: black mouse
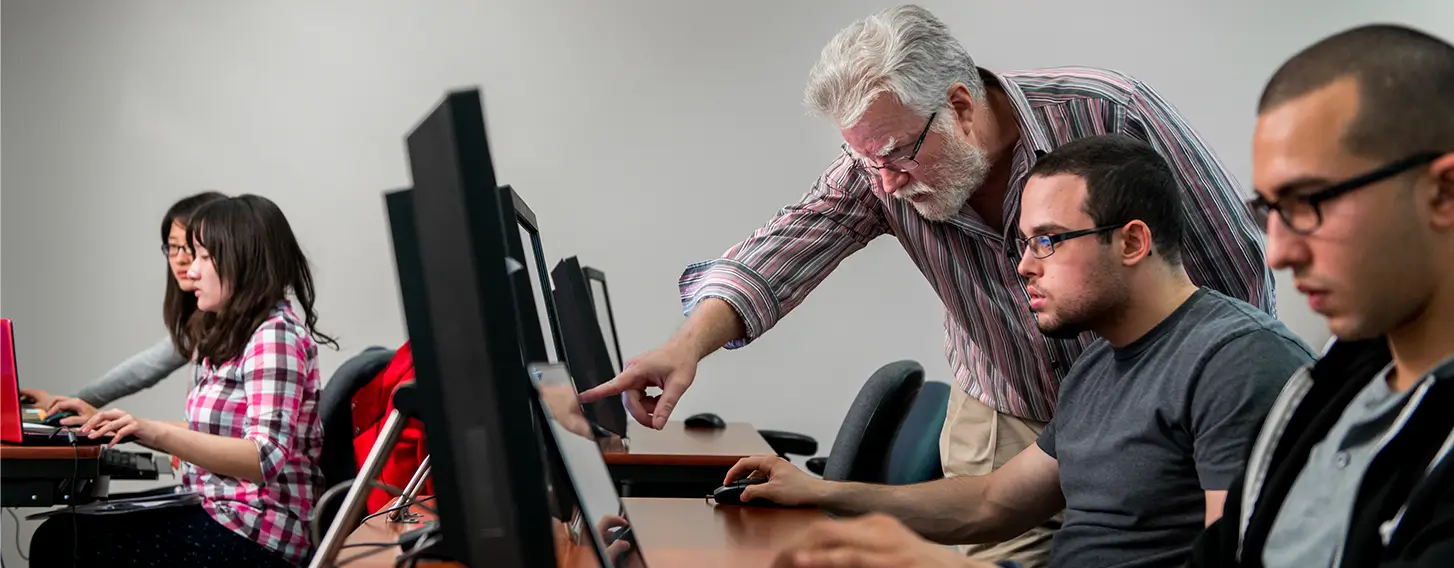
[55, 419]
[706, 420]
[731, 494]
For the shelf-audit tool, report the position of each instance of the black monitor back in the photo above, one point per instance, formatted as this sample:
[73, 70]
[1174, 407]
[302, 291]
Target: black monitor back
[596, 275]
[450, 248]
[585, 347]
[532, 335]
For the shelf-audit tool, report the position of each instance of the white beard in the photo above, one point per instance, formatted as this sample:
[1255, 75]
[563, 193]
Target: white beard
[960, 170]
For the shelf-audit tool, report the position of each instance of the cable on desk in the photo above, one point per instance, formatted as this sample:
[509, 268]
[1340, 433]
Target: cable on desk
[75, 523]
[22, 549]
[315, 531]
[421, 545]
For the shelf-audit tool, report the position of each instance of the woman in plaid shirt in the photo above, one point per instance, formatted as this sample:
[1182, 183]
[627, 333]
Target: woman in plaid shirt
[252, 438]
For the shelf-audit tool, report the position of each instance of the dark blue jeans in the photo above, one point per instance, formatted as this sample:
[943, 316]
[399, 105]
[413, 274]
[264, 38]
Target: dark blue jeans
[176, 536]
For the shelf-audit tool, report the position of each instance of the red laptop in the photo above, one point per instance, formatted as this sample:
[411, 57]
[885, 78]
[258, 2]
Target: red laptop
[12, 430]
[9, 386]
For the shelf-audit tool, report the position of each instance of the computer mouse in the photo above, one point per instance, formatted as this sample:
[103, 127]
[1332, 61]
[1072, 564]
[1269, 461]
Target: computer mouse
[706, 420]
[55, 419]
[731, 494]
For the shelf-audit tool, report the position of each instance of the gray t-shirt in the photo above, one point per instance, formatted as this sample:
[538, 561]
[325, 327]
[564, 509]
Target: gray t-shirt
[1143, 431]
[1312, 525]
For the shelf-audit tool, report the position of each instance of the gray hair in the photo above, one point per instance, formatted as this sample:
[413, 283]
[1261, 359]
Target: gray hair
[903, 50]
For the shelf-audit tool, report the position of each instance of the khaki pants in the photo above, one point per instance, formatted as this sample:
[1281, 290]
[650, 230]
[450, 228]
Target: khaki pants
[977, 440]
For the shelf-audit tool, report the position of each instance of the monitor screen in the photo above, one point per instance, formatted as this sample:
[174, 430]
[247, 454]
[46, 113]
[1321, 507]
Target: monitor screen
[602, 520]
[585, 349]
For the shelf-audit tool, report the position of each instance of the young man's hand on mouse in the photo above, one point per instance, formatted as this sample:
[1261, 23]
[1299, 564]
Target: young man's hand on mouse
[786, 485]
[83, 410]
[870, 541]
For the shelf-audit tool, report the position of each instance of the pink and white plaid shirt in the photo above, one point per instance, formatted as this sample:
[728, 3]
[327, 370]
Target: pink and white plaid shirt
[268, 395]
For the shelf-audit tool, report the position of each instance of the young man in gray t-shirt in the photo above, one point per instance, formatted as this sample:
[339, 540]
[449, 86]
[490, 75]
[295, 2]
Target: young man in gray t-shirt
[1152, 422]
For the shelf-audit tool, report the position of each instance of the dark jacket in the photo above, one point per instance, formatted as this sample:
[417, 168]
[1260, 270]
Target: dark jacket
[1403, 515]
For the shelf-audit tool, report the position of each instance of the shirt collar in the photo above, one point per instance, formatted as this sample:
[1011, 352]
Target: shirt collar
[1030, 128]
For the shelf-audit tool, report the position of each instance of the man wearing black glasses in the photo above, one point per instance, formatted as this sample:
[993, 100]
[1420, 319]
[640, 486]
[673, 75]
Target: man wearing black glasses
[1353, 161]
[936, 152]
[1154, 419]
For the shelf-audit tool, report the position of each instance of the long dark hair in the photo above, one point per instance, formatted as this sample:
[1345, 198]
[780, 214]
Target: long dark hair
[258, 259]
[178, 306]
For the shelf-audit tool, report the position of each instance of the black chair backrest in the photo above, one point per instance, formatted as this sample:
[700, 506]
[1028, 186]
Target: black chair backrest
[335, 409]
[866, 438]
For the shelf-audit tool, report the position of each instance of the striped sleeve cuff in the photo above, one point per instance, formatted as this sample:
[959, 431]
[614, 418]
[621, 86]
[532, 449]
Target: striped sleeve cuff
[740, 286]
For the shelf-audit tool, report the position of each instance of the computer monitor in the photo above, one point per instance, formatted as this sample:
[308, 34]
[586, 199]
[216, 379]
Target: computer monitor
[602, 301]
[475, 396]
[602, 521]
[542, 342]
[585, 348]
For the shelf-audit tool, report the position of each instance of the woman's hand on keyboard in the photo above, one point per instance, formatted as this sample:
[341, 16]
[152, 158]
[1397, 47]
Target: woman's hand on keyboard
[120, 424]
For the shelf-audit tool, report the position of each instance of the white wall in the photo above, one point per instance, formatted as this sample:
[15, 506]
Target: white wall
[645, 135]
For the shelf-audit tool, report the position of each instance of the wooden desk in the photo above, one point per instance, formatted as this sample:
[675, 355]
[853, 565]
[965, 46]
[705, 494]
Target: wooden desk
[677, 461]
[17, 452]
[696, 534]
[671, 533]
[37, 476]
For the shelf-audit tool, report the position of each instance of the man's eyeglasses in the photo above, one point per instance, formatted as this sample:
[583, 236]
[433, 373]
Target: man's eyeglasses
[173, 250]
[1042, 246]
[902, 164]
[1303, 214]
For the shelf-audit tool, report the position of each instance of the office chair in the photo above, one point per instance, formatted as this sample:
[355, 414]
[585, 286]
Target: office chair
[335, 411]
[866, 439]
[915, 455]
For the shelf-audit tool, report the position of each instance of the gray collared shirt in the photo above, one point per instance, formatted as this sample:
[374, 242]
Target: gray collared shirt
[1312, 525]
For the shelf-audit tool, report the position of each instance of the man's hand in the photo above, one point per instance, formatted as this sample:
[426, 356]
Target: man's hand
[83, 410]
[786, 484]
[119, 424]
[668, 368]
[872, 541]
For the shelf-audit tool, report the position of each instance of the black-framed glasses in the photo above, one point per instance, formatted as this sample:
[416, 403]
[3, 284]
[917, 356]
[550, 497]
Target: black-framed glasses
[903, 164]
[1303, 214]
[172, 250]
[1042, 246]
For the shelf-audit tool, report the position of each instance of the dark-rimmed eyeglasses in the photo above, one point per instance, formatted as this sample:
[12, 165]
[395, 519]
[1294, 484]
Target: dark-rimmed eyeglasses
[903, 164]
[1042, 246]
[1303, 214]
[172, 250]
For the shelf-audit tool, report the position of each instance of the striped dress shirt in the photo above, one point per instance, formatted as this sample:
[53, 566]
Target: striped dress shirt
[997, 353]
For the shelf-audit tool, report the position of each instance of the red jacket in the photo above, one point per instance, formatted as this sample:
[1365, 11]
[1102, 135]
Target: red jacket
[371, 405]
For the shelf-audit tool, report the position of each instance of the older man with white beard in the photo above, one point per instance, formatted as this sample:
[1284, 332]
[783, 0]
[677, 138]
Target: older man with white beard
[936, 153]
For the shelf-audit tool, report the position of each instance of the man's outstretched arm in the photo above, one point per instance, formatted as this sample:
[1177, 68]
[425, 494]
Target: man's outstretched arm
[958, 510]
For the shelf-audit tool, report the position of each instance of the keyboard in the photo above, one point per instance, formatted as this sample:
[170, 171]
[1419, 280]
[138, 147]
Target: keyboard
[119, 464]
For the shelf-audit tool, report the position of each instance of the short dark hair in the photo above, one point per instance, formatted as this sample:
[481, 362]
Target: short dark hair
[1125, 180]
[1405, 82]
[255, 253]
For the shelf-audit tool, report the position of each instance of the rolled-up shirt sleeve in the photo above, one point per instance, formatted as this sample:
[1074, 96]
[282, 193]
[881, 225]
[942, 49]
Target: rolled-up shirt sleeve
[274, 372]
[767, 275]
